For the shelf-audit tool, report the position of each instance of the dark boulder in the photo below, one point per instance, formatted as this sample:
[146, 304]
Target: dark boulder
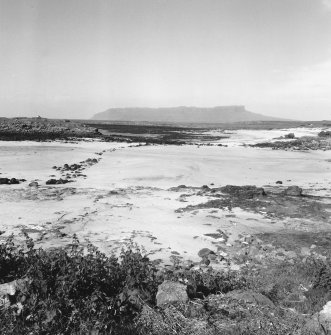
[290, 135]
[14, 181]
[4, 181]
[57, 181]
[294, 191]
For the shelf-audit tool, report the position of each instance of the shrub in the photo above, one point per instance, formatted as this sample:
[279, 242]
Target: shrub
[76, 291]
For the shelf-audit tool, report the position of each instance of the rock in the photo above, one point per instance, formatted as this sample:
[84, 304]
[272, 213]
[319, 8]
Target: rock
[250, 296]
[75, 167]
[325, 316]
[4, 181]
[205, 252]
[51, 182]
[10, 289]
[205, 261]
[177, 188]
[279, 182]
[321, 319]
[290, 135]
[11, 181]
[34, 184]
[170, 292]
[294, 191]
[247, 191]
[325, 133]
[57, 182]
[14, 181]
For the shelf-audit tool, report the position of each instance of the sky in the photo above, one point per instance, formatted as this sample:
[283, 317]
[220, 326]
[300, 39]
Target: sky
[75, 58]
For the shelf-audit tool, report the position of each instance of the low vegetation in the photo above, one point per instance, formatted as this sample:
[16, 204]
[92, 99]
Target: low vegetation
[80, 290]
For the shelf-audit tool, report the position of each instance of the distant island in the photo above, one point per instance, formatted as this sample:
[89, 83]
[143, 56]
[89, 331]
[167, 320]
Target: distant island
[183, 114]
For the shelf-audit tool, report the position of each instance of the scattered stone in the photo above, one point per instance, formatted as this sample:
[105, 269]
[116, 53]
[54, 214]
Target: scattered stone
[170, 292]
[57, 181]
[34, 184]
[279, 182]
[205, 252]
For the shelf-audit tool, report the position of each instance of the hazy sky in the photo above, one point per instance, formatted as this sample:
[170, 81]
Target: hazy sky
[74, 58]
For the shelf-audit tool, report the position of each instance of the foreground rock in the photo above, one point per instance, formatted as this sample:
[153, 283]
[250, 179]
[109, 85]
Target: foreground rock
[11, 289]
[170, 292]
[321, 322]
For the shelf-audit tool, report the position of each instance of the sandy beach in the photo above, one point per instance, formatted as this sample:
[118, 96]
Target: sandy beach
[129, 195]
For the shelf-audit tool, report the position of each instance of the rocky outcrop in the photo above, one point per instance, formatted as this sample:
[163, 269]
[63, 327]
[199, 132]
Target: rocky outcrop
[43, 129]
[247, 191]
[321, 142]
[170, 292]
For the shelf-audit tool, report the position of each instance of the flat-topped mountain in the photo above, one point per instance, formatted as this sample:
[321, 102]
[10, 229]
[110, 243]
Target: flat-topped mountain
[219, 114]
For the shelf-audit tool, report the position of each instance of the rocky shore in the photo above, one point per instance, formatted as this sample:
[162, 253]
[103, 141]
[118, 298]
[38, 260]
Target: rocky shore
[320, 142]
[41, 129]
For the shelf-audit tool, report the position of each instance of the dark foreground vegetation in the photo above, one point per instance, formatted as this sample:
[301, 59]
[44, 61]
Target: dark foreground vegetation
[83, 291]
